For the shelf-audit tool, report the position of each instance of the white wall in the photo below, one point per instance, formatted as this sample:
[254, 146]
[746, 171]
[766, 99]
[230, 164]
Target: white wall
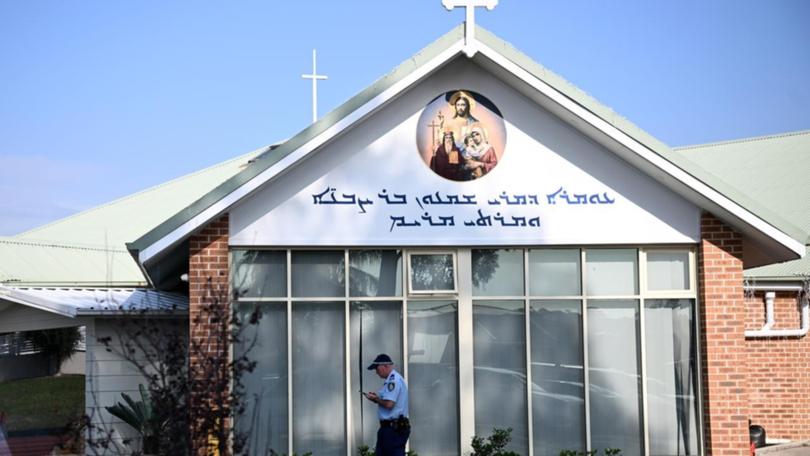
[542, 154]
[108, 375]
[17, 317]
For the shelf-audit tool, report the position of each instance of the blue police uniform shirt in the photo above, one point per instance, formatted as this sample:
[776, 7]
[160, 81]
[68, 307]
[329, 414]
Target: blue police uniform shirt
[394, 389]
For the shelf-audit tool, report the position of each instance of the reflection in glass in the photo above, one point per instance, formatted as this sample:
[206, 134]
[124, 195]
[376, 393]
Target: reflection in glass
[497, 272]
[671, 376]
[265, 416]
[558, 394]
[318, 378]
[667, 270]
[259, 273]
[614, 377]
[611, 272]
[375, 273]
[499, 360]
[433, 377]
[554, 272]
[318, 273]
[376, 327]
[432, 272]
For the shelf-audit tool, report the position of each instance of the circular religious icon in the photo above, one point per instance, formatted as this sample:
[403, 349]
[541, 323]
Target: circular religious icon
[461, 135]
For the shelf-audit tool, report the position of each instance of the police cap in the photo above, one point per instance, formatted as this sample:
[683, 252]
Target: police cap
[381, 360]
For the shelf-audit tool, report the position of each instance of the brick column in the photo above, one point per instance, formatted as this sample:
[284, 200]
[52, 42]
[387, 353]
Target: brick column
[209, 321]
[722, 322]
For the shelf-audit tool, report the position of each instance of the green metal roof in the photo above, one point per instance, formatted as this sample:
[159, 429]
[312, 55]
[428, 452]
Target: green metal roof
[52, 263]
[128, 218]
[87, 249]
[785, 271]
[423, 57]
[773, 170]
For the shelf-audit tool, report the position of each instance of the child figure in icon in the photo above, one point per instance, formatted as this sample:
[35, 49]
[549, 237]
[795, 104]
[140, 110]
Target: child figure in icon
[458, 147]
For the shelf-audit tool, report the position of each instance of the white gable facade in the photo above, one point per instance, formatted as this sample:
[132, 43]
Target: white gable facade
[554, 295]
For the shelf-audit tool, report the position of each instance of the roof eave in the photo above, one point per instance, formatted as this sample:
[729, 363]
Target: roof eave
[8, 294]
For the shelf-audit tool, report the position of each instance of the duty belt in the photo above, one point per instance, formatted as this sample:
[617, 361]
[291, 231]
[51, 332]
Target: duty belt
[397, 423]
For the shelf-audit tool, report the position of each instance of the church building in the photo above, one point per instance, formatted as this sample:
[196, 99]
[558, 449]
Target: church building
[528, 258]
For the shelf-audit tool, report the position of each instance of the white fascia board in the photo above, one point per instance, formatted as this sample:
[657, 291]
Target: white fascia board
[223, 204]
[12, 295]
[643, 152]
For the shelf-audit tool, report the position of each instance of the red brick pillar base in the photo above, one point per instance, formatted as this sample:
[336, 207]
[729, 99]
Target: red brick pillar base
[722, 321]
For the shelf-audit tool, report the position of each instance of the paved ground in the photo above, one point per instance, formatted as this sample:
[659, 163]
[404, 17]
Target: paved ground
[787, 449]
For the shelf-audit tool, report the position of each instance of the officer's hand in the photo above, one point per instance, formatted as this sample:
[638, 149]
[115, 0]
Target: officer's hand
[372, 397]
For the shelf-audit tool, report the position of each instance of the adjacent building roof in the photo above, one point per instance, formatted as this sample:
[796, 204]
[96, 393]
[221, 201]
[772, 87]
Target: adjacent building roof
[24, 262]
[128, 218]
[75, 302]
[773, 170]
[88, 249]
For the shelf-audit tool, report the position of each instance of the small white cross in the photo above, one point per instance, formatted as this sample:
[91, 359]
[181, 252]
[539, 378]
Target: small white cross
[314, 76]
[469, 22]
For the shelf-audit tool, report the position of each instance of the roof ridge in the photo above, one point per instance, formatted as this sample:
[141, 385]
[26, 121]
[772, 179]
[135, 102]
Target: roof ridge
[47, 243]
[744, 140]
[256, 152]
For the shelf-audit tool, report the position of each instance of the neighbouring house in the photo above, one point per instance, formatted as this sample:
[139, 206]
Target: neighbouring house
[528, 258]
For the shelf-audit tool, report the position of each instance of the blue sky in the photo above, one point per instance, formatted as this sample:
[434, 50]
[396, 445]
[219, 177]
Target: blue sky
[100, 99]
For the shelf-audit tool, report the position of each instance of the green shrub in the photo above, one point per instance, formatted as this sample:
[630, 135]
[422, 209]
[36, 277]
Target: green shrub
[494, 444]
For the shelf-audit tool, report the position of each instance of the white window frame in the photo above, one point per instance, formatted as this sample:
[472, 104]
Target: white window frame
[462, 294]
[453, 254]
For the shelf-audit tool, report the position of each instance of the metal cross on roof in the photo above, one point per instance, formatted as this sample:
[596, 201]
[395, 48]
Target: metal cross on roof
[469, 21]
[314, 76]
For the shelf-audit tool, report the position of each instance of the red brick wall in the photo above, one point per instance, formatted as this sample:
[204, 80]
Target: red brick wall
[778, 370]
[722, 321]
[207, 276]
[209, 324]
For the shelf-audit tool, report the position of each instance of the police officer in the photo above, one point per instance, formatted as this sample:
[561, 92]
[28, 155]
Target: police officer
[392, 408]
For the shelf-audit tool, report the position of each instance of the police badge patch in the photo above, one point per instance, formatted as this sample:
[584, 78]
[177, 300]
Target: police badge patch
[391, 387]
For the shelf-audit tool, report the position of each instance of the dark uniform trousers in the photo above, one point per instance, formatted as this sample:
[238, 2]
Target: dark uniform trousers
[391, 441]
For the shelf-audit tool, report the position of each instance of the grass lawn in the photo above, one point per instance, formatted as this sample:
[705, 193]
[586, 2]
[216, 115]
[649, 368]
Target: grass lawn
[44, 402]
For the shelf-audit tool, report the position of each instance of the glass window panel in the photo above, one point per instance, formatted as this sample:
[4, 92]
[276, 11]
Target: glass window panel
[376, 327]
[499, 361]
[671, 352]
[611, 272]
[558, 378]
[554, 272]
[667, 270]
[433, 377]
[614, 377]
[259, 273]
[432, 272]
[318, 378]
[318, 274]
[497, 272]
[265, 343]
[375, 273]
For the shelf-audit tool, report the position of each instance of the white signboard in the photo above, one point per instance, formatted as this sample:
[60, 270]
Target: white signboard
[415, 182]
